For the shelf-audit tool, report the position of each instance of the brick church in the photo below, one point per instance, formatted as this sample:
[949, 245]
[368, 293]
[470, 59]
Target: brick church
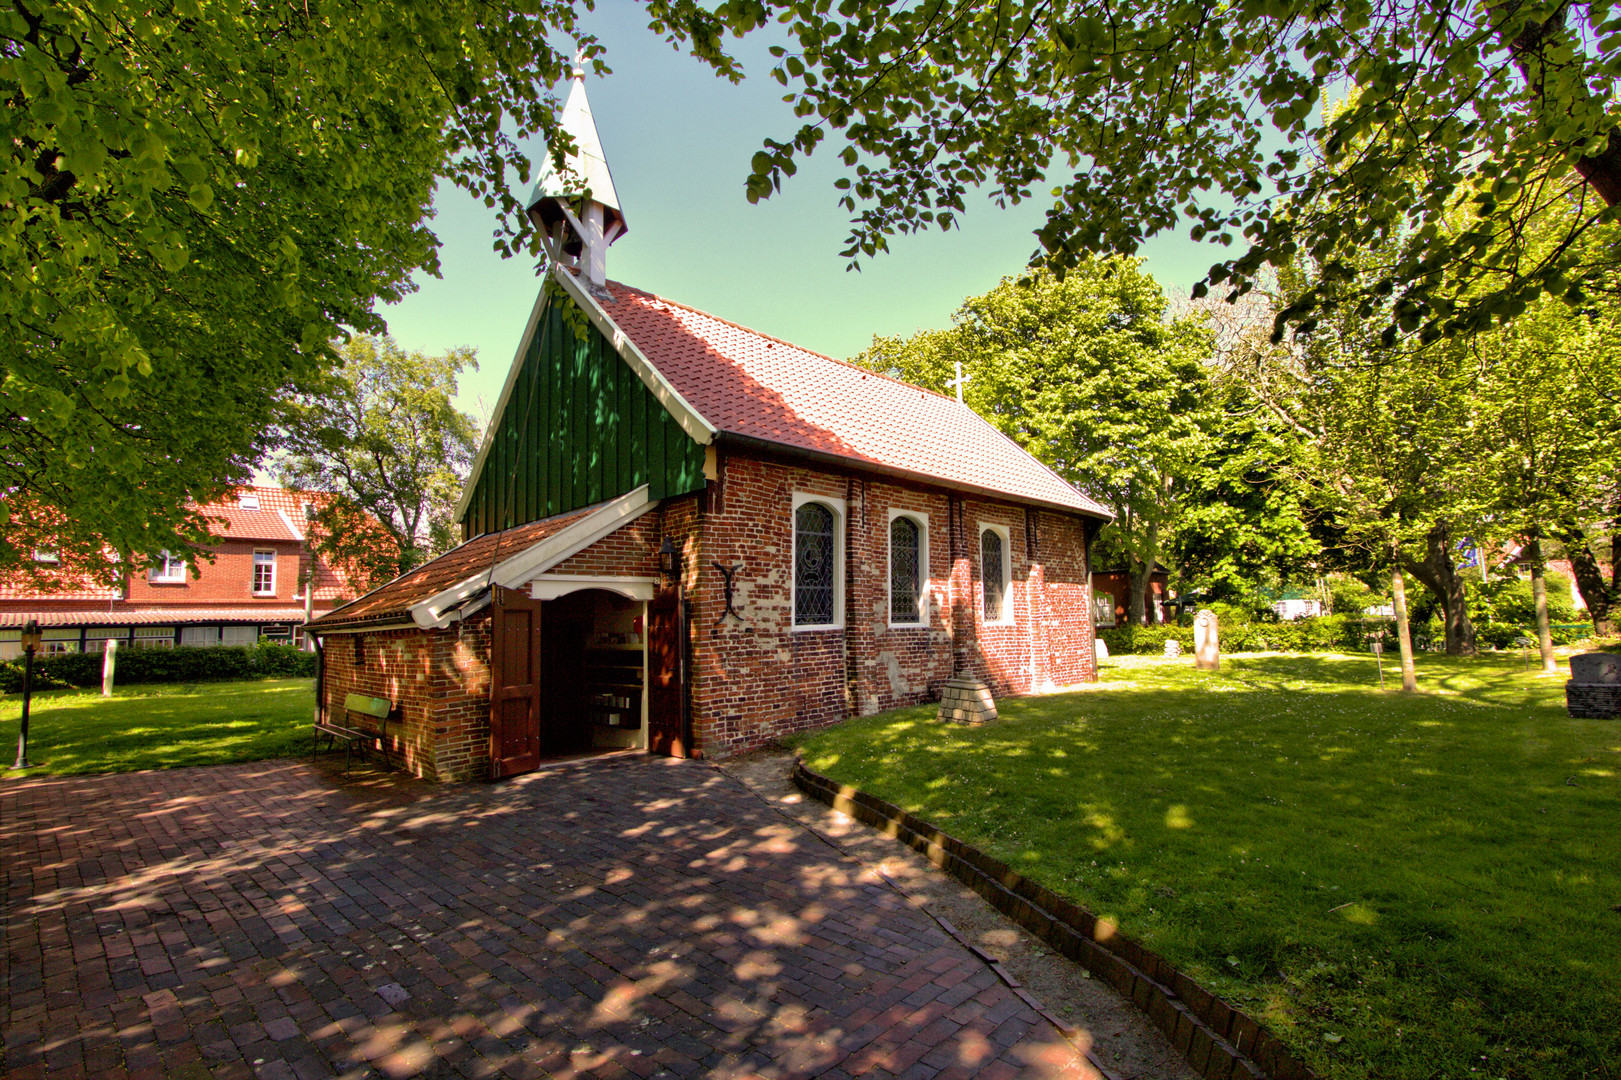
[688, 537]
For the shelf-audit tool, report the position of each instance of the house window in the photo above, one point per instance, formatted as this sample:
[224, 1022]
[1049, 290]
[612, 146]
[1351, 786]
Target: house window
[247, 501]
[994, 573]
[96, 637]
[1103, 606]
[818, 559]
[264, 573]
[154, 637]
[167, 569]
[57, 641]
[199, 636]
[11, 644]
[239, 635]
[47, 555]
[908, 567]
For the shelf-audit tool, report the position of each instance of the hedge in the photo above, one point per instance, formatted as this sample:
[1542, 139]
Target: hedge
[212, 664]
[1326, 633]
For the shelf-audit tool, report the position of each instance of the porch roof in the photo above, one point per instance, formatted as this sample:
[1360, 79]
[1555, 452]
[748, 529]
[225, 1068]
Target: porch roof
[426, 596]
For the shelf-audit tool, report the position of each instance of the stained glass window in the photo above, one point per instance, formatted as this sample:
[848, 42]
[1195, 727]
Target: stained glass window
[905, 579]
[813, 565]
[991, 561]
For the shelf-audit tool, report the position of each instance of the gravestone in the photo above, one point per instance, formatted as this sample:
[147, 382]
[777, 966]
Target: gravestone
[1100, 649]
[1173, 648]
[966, 700]
[1206, 641]
[1594, 689]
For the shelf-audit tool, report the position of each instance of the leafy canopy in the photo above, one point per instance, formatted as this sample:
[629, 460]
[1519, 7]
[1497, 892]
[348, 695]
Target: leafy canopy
[1137, 118]
[198, 197]
[385, 439]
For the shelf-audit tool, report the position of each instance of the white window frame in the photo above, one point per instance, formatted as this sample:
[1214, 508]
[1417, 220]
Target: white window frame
[921, 520]
[170, 571]
[248, 500]
[1099, 611]
[254, 584]
[1007, 618]
[47, 555]
[839, 510]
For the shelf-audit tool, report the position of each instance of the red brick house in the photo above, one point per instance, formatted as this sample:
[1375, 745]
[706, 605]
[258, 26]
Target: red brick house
[686, 536]
[1111, 593]
[251, 591]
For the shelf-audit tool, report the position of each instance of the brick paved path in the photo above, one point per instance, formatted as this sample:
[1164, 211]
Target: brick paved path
[617, 917]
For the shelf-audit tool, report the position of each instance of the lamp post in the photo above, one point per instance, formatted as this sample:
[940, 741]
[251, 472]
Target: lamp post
[31, 641]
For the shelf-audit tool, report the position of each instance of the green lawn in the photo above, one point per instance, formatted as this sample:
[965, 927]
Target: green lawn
[72, 732]
[1399, 886]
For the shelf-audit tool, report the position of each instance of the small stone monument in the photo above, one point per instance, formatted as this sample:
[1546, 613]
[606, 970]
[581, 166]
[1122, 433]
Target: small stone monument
[1594, 689]
[1206, 641]
[1173, 648]
[966, 700]
[1100, 649]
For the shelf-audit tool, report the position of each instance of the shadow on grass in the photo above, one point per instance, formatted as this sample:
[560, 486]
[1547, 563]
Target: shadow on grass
[1390, 869]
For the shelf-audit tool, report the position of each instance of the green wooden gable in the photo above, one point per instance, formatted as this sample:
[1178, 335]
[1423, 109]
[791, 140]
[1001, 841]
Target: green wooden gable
[578, 427]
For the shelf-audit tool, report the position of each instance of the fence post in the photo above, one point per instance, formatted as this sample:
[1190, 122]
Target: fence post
[109, 660]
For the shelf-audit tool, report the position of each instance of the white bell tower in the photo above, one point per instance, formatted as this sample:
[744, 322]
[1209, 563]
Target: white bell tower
[576, 209]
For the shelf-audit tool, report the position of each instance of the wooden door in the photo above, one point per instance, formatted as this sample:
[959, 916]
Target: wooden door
[515, 682]
[666, 697]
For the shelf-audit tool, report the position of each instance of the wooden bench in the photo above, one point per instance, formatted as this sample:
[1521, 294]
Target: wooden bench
[358, 713]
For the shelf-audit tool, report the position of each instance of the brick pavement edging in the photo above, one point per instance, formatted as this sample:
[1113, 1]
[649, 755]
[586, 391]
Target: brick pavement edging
[1219, 1041]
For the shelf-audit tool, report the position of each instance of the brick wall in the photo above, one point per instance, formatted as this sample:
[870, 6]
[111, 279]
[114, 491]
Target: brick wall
[439, 682]
[761, 678]
[228, 579]
[758, 678]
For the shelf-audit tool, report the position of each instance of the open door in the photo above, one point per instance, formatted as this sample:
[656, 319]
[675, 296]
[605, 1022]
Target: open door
[514, 683]
[666, 676]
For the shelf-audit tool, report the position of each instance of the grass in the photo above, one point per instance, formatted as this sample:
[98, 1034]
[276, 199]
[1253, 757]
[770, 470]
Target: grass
[73, 732]
[1397, 885]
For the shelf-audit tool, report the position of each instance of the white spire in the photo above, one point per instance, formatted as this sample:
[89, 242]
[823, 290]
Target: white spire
[577, 208]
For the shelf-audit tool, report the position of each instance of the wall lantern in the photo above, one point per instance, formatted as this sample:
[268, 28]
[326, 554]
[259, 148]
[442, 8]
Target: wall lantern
[669, 559]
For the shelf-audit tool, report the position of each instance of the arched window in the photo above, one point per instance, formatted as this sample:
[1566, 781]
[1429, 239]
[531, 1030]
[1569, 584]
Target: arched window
[993, 573]
[905, 571]
[815, 565]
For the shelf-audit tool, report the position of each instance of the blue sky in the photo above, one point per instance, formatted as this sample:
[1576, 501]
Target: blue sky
[679, 140]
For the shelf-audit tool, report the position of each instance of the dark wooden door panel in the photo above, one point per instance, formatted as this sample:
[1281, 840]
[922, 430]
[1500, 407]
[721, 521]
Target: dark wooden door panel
[666, 712]
[515, 683]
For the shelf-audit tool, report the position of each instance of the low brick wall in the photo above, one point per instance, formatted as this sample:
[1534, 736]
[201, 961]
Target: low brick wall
[1219, 1041]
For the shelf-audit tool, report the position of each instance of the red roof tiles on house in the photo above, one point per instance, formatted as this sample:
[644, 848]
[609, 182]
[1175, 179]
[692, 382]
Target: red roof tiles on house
[748, 384]
[230, 521]
[151, 617]
[392, 602]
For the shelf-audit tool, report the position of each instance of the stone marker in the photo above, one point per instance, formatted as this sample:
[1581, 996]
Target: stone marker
[1100, 648]
[1594, 689]
[1173, 648]
[1206, 641]
[966, 700]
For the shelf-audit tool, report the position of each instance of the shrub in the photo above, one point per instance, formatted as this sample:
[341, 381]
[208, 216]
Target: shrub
[220, 662]
[1326, 633]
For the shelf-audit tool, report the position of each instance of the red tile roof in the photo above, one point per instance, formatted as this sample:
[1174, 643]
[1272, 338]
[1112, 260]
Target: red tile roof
[230, 521]
[749, 384]
[392, 602]
[150, 617]
[70, 587]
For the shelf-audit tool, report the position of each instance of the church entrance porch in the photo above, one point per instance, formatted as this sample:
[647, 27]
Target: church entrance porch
[583, 672]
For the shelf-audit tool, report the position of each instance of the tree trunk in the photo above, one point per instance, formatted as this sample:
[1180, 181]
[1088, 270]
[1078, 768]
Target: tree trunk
[1404, 634]
[1602, 168]
[1539, 593]
[1597, 594]
[1440, 575]
[1140, 578]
